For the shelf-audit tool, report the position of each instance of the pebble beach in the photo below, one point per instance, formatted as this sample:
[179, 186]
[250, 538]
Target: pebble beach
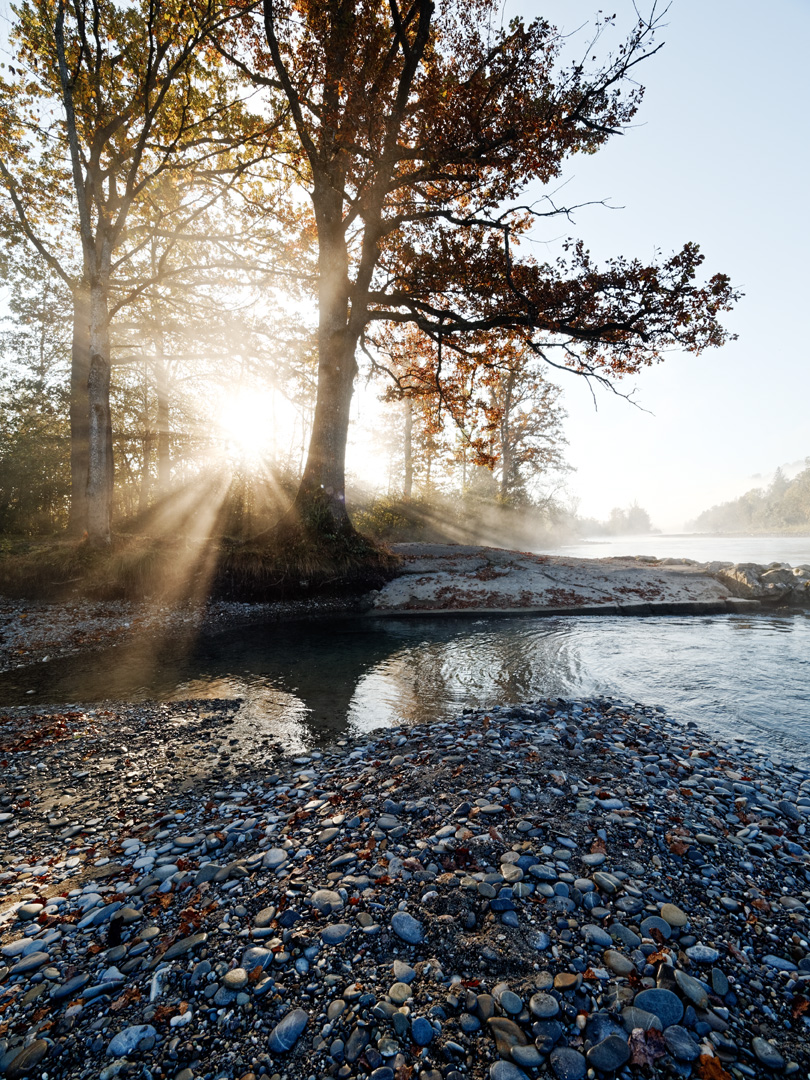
[582, 888]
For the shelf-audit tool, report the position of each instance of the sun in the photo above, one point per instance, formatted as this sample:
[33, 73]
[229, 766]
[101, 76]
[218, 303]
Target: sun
[245, 421]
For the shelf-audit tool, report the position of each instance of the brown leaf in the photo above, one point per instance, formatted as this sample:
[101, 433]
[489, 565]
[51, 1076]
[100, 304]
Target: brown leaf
[646, 1047]
[709, 1068]
[129, 996]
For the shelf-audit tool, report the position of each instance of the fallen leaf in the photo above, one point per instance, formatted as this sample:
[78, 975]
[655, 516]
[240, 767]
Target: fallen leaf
[709, 1068]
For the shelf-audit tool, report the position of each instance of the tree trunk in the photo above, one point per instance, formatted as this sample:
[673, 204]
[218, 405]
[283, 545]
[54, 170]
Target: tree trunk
[100, 451]
[506, 437]
[408, 487]
[320, 504]
[79, 418]
[164, 460]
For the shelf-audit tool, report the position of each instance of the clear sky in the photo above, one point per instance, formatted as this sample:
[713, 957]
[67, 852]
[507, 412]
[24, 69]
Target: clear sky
[720, 154]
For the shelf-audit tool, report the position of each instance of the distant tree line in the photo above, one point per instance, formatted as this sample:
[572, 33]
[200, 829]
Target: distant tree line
[782, 506]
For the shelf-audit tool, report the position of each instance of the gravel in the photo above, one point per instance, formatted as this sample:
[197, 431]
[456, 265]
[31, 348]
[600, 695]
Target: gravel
[411, 904]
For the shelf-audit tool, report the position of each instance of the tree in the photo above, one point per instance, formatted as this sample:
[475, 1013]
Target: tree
[34, 357]
[417, 130]
[108, 99]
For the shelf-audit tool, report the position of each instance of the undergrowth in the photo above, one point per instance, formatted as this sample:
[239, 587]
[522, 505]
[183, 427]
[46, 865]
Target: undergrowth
[183, 568]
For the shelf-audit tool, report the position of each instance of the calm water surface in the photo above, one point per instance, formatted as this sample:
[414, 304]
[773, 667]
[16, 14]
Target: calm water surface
[734, 675]
[757, 549]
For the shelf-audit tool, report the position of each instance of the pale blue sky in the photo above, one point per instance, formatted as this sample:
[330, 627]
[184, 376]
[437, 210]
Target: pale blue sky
[719, 155]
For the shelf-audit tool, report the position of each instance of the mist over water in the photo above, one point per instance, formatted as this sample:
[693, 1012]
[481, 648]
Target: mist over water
[794, 550]
[733, 675]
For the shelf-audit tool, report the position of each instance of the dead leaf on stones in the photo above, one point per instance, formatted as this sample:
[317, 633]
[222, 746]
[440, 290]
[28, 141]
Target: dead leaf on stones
[709, 1068]
[646, 1047]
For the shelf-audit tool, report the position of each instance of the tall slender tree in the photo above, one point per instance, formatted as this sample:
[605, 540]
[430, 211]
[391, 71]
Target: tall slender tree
[418, 127]
[107, 99]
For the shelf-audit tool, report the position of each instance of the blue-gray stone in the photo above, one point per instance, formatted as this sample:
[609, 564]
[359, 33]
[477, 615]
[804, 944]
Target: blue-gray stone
[778, 962]
[568, 1064]
[595, 935]
[702, 954]
[179, 948]
[654, 922]
[681, 1044]
[333, 935]
[408, 928]
[422, 1031]
[667, 1006]
[767, 1054]
[356, 1044]
[67, 989]
[544, 1006]
[602, 1024]
[505, 1070]
[127, 1041]
[287, 1031]
[511, 1003]
[609, 1054]
[256, 957]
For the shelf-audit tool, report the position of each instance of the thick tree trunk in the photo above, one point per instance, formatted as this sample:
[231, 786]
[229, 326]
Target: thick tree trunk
[100, 456]
[320, 505]
[319, 508]
[408, 486]
[79, 418]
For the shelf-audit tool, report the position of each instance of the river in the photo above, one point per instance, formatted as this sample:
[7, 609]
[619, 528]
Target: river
[734, 675]
[794, 550]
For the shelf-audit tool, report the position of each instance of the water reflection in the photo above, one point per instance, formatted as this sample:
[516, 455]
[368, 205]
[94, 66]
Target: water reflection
[733, 675]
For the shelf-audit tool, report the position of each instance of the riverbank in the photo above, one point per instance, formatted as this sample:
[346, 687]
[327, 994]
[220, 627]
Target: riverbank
[563, 886]
[432, 579]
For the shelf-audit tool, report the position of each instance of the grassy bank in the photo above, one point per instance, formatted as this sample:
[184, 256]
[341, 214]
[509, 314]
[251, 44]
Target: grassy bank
[186, 568]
